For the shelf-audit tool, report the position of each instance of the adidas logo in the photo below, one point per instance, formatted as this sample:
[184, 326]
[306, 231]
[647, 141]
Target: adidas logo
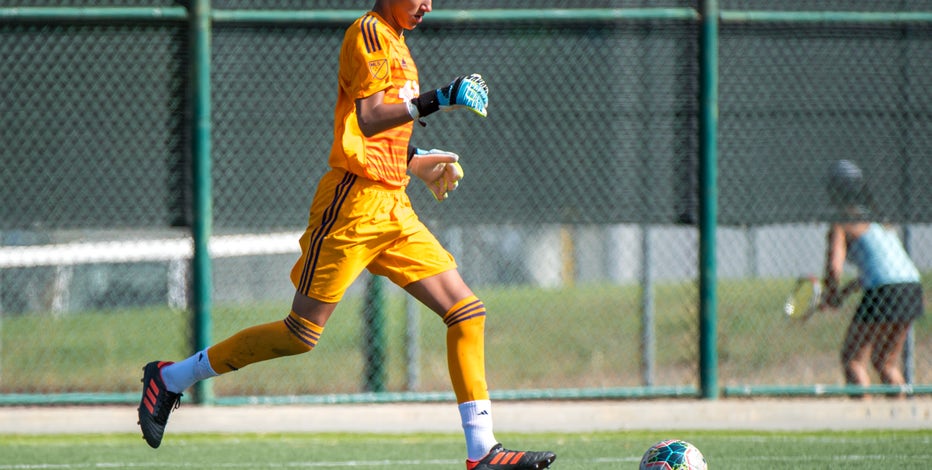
[150, 397]
[483, 413]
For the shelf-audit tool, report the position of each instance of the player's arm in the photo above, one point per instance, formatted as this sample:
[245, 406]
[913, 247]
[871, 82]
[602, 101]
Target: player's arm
[374, 115]
[834, 264]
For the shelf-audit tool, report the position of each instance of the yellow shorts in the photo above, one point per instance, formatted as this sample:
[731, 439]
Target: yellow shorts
[357, 224]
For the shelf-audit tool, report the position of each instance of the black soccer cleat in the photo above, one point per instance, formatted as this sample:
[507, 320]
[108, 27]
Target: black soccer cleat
[157, 403]
[500, 458]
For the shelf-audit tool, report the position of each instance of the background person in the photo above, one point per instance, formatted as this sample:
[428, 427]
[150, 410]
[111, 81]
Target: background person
[892, 295]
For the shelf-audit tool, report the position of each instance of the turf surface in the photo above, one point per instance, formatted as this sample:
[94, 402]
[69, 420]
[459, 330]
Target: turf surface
[577, 451]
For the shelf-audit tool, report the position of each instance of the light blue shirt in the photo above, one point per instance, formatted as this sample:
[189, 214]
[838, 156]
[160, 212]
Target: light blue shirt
[881, 258]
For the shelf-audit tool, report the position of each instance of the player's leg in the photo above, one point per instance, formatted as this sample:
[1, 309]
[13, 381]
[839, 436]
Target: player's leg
[899, 305]
[298, 333]
[428, 272]
[321, 275]
[164, 382]
[888, 351]
[856, 352]
[330, 261]
[859, 340]
[464, 314]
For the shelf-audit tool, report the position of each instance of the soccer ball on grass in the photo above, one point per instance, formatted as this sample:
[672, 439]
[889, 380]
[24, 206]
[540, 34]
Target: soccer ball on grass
[673, 454]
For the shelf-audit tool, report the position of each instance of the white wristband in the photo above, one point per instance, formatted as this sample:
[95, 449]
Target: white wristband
[412, 110]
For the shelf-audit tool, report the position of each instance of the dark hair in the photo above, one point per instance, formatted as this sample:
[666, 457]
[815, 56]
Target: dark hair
[847, 187]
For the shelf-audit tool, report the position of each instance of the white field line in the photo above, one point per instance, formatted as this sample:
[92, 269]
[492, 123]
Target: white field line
[332, 464]
[828, 459]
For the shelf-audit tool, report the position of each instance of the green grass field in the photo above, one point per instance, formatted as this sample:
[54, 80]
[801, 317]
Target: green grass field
[581, 451]
[589, 334]
[595, 327]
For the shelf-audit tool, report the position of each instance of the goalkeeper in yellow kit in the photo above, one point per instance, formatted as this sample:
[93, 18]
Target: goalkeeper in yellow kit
[361, 218]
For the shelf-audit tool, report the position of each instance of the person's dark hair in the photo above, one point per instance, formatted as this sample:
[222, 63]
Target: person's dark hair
[847, 188]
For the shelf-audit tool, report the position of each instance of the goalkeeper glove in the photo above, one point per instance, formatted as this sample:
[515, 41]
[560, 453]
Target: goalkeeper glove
[469, 92]
[438, 169]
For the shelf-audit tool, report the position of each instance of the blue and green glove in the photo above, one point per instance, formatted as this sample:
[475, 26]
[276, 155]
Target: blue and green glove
[469, 92]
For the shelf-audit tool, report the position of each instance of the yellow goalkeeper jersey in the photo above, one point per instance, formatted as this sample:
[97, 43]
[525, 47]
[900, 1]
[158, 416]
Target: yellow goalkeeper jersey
[373, 58]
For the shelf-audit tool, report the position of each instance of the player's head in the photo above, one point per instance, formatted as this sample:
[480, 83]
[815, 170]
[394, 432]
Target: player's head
[403, 14]
[846, 186]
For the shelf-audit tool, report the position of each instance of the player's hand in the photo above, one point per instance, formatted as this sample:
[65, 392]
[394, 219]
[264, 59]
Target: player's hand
[470, 92]
[438, 169]
[831, 299]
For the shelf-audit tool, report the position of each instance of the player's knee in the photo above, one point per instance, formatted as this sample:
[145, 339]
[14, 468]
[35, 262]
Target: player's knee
[303, 333]
[852, 365]
[468, 310]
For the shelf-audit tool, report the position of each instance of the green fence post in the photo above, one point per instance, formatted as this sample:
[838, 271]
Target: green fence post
[374, 337]
[708, 195]
[202, 210]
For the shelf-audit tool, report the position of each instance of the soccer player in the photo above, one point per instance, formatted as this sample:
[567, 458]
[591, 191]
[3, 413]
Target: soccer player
[892, 297]
[361, 218]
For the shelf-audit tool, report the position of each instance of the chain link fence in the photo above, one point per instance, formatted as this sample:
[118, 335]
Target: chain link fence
[576, 222]
[796, 97]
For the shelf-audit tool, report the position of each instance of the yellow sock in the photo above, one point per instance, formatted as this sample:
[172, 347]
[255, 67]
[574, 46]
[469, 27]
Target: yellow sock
[293, 335]
[466, 349]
